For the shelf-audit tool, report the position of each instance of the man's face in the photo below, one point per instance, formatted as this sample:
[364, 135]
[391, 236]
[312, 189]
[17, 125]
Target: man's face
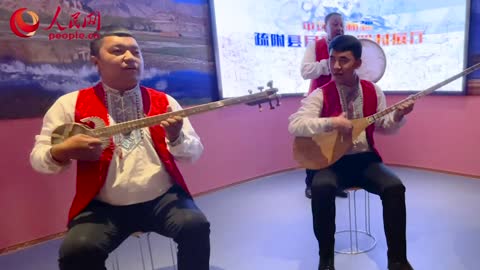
[119, 62]
[342, 66]
[334, 26]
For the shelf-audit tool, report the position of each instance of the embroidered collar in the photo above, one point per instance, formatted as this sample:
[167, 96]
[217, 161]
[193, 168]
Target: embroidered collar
[116, 92]
[349, 92]
[122, 107]
[351, 99]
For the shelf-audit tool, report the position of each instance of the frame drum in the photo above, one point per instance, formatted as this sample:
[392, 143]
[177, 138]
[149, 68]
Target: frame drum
[374, 61]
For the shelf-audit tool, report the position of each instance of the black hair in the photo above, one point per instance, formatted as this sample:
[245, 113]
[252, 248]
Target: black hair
[329, 15]
[345, 43]
[110, 30]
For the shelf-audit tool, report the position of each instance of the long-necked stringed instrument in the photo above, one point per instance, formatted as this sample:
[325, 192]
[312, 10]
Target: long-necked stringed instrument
[104, 132]
[326, 148]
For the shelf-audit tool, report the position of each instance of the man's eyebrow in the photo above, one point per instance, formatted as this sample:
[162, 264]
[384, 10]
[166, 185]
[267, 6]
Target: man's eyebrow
[125, 46]
[344, 57]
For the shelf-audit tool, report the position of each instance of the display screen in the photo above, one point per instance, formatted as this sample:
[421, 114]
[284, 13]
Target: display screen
[262, 40]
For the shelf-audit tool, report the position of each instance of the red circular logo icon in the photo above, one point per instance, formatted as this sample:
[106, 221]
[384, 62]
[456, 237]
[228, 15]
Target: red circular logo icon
[20, 27]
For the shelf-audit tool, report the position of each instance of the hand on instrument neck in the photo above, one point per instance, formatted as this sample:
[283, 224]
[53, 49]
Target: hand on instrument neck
[403, 109]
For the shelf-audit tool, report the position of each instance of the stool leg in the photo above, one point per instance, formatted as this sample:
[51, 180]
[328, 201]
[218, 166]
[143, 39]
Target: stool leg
[350, 222]
[150, 250]
[172, 251]
[354, 231]
[367, 212]
[355, 219]
[141, 251]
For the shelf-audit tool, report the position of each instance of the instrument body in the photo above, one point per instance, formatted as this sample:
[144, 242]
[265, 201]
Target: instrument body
[65, 131]
[326, 148]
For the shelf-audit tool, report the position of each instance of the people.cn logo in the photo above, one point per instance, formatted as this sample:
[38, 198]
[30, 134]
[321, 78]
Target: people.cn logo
[20, 27]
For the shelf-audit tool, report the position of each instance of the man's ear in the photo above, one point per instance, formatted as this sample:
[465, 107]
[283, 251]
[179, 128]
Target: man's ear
[358, 62]
[94, 60]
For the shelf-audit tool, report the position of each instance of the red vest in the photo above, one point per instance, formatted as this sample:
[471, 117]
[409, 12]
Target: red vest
[91, 175]
[333, 107]
[321, 52]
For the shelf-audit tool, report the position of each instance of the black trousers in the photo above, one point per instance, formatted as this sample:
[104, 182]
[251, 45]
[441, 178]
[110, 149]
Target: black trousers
[367, 171]
[101, 227]
[309, 177]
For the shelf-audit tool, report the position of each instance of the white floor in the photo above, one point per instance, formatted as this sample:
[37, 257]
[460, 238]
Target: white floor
[266, 224]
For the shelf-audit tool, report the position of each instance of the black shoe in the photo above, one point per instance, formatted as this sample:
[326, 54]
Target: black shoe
[342, 194]
[326, 265]
[399, 266]
[308, 192]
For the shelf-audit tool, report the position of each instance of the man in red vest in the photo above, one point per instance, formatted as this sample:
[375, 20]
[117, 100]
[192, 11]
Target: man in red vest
[330, 107]
[315, 67]
[132, 182]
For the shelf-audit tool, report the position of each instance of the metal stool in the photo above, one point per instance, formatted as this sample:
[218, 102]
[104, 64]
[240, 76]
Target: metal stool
[138, 235]
[369, 241]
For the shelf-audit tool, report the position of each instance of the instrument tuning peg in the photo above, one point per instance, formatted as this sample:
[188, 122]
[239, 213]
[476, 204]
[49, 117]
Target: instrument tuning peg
[276, 97]
[271, 106]
[270, 84]
[250, 91]
[260, 88]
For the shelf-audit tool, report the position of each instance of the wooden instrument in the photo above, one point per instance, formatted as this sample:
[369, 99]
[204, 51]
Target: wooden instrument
[326, 148]
[104, 132]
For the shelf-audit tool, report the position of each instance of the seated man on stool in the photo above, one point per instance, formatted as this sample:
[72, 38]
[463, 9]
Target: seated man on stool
[330, 107]
[133, 184]
[315, 67]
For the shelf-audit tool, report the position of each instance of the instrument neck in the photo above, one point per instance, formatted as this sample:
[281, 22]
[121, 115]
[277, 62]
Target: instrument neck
[129, 126]
[371, 119]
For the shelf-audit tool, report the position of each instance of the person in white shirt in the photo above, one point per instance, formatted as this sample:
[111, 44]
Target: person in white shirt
[129, 182]
[330, 107]
[315, 67]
